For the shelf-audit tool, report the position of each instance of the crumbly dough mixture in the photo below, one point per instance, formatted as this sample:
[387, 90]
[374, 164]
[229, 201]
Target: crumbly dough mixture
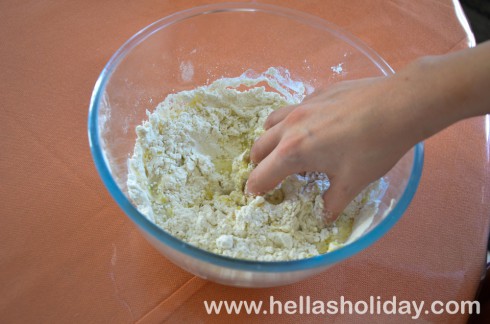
[191, 163]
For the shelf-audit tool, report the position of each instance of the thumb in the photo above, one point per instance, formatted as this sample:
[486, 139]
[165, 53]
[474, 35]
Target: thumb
[336, 199]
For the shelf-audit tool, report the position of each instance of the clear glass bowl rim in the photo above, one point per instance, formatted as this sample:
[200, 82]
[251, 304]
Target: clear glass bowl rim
[147, 226]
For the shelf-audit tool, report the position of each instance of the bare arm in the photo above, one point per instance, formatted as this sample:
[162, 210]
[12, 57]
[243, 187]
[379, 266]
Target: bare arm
[356, 131]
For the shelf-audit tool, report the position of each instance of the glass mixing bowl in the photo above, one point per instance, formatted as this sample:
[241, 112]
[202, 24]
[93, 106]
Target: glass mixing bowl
[196, 46]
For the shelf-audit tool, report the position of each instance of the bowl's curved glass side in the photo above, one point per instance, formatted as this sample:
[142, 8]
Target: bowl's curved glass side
[403, 180]
[176, 56]
[232, 276]
[397, 179]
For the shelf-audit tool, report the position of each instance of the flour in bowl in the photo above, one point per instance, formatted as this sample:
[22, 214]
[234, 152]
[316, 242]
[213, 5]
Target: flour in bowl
[191, 163]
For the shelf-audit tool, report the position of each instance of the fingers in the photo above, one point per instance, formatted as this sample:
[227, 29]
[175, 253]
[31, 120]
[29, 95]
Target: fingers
[314, 96]
[336, 199]
[277, 116]
[268, 174]
[265, 144]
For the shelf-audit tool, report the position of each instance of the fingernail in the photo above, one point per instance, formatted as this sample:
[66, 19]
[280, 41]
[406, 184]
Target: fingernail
[251, 194]
[328, 217]
[247, 192]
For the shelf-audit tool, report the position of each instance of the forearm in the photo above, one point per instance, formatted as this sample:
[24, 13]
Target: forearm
[356, 131]
[439, 91]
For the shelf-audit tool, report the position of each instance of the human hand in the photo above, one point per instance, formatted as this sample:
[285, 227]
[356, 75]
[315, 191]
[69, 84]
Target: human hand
[356, 131]
[350, 132]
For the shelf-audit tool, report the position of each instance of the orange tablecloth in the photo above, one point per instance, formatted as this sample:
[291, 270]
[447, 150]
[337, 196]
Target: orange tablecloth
[69, 254]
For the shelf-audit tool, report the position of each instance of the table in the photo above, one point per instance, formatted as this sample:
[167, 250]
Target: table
[69, 254]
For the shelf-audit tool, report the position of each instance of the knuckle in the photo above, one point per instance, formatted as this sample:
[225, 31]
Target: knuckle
[297, 115]
[290, 150]
[270, 119]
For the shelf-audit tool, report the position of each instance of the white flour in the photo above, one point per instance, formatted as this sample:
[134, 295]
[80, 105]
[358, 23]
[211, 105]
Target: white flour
[191, 163]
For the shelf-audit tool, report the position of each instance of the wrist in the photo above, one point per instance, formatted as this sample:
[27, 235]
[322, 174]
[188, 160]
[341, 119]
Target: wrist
[430, 97]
